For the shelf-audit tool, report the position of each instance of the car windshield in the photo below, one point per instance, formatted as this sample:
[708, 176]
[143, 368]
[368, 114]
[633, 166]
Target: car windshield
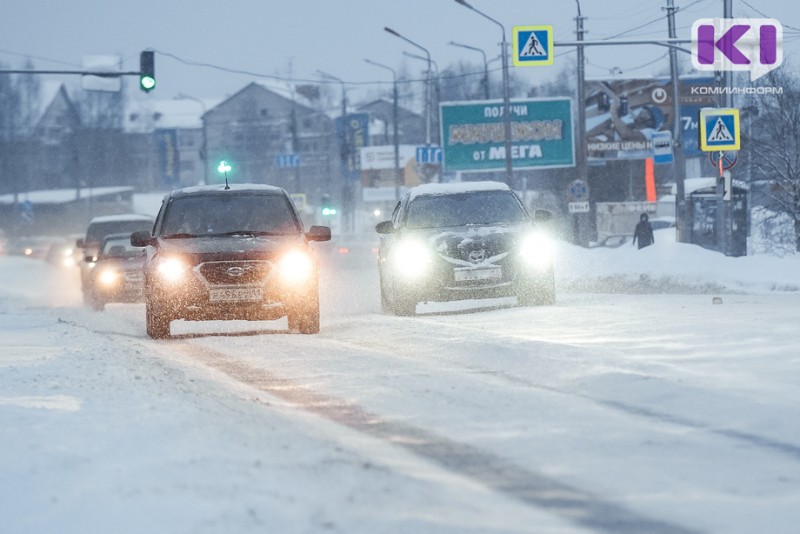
[121, 247]
[463, 209]
[229, 214]
[97, 231]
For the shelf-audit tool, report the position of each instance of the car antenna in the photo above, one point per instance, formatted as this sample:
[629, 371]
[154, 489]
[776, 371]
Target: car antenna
[224, 167]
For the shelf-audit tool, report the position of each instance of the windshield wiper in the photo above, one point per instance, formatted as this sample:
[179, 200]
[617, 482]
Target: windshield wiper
[180, 235]
[244, 233]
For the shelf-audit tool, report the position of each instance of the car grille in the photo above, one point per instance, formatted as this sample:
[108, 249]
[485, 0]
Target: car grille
[234, 272]
[133, 276]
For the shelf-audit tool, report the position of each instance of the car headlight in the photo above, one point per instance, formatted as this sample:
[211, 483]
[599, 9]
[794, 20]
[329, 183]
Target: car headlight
[536, 250]
[411, 258]
[295, 267]
[171, 269]
[108, 277]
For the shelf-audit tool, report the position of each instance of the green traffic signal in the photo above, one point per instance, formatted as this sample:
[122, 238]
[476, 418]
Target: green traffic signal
[224, 167]
[147, 71]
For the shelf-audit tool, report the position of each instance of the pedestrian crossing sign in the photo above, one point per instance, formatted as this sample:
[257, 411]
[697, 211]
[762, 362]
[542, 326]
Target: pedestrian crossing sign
[533, 45]
[719, 129]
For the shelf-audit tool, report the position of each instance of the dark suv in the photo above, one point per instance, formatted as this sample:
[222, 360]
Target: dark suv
[462, 241]
[98, 229]
[230, 252]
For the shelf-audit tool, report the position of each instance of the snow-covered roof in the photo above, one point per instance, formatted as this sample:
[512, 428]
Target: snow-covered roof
[121, 217]
[457, 187]
[62, 196]
[145, 115]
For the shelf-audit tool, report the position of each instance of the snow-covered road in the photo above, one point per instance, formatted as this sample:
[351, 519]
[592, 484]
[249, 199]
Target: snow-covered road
[625, 412]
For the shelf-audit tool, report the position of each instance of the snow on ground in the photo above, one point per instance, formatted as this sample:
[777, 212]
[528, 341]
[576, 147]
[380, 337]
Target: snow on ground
[104, 430]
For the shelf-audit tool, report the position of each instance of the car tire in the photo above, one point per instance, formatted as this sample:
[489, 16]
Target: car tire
[97, 302]
[304, 316]
[157, 321]
[541, 292]
[403, 304]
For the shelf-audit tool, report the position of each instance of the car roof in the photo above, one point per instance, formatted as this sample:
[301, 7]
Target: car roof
[122, 217]
[221, 189]
[122, 235]
[456, 187]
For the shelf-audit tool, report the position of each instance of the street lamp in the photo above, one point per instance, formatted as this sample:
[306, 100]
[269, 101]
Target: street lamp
[485, 81]
[436, 87]
[204, 148]
[506, 93]
[427, 85]
[397, 176]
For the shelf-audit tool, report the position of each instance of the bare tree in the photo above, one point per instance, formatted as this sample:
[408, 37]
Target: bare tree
[775, 144]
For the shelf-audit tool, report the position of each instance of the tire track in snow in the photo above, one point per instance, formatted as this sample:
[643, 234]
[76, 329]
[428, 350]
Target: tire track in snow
[515, 481]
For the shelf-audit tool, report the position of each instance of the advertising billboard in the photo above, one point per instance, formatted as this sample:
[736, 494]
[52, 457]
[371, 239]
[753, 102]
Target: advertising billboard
[473, 134]
[623, 115]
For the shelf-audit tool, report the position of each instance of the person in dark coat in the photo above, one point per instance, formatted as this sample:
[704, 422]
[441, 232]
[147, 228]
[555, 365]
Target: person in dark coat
[644, 232]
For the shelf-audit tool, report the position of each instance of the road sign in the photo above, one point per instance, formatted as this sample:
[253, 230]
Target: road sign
[533, 45]
[719, 129]
[662, 147]
[473, 136]
[578, 207]
[283, 161]
[723, 159]
[429, 154]
[579, 191]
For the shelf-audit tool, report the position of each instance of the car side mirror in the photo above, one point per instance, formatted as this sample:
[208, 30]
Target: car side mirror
[142, 239]
[384, 227]
[319, 233]
[80, 243]
[542, 216]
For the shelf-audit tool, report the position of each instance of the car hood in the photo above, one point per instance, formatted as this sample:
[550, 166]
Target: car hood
[241, 246]
[135, 262]
[473, 245]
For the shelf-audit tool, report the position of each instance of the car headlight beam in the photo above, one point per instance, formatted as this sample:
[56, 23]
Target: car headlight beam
[411, 258]
[536, 250]
[108, 277]
[171, 269]
[295, 267]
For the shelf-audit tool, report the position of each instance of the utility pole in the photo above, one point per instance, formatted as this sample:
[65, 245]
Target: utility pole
[724, 211]
[679, 164]
[581, 165]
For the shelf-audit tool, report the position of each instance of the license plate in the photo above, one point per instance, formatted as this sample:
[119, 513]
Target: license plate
[471, 275]
[234, 294]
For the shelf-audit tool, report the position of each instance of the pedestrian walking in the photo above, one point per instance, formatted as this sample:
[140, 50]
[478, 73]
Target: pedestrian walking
[644, 232]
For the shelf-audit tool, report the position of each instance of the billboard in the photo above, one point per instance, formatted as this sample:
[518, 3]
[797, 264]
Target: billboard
[623, 115]
[473, 134]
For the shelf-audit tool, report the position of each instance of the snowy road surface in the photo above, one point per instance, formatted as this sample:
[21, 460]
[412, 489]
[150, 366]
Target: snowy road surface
[630, 412]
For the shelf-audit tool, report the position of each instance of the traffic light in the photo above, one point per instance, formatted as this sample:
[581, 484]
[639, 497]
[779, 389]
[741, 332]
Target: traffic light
[147, 71]
[327, 206]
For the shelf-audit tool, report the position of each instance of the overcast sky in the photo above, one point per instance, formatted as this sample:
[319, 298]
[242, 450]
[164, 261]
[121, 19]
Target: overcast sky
[296, 38]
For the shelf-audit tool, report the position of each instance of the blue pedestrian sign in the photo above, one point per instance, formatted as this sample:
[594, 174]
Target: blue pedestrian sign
[533, 45]
[719, 129]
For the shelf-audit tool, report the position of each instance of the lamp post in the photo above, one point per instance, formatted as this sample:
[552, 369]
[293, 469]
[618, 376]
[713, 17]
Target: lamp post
[427, 85]
[485, 81]
[347, 202]
[436, 88]
[396, 140]
[204, 148]
[506, 93]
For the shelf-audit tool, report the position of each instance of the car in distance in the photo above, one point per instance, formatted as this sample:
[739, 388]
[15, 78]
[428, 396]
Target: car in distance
[461, 241]
[98, 228]
[223, 252]
[118, 272]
